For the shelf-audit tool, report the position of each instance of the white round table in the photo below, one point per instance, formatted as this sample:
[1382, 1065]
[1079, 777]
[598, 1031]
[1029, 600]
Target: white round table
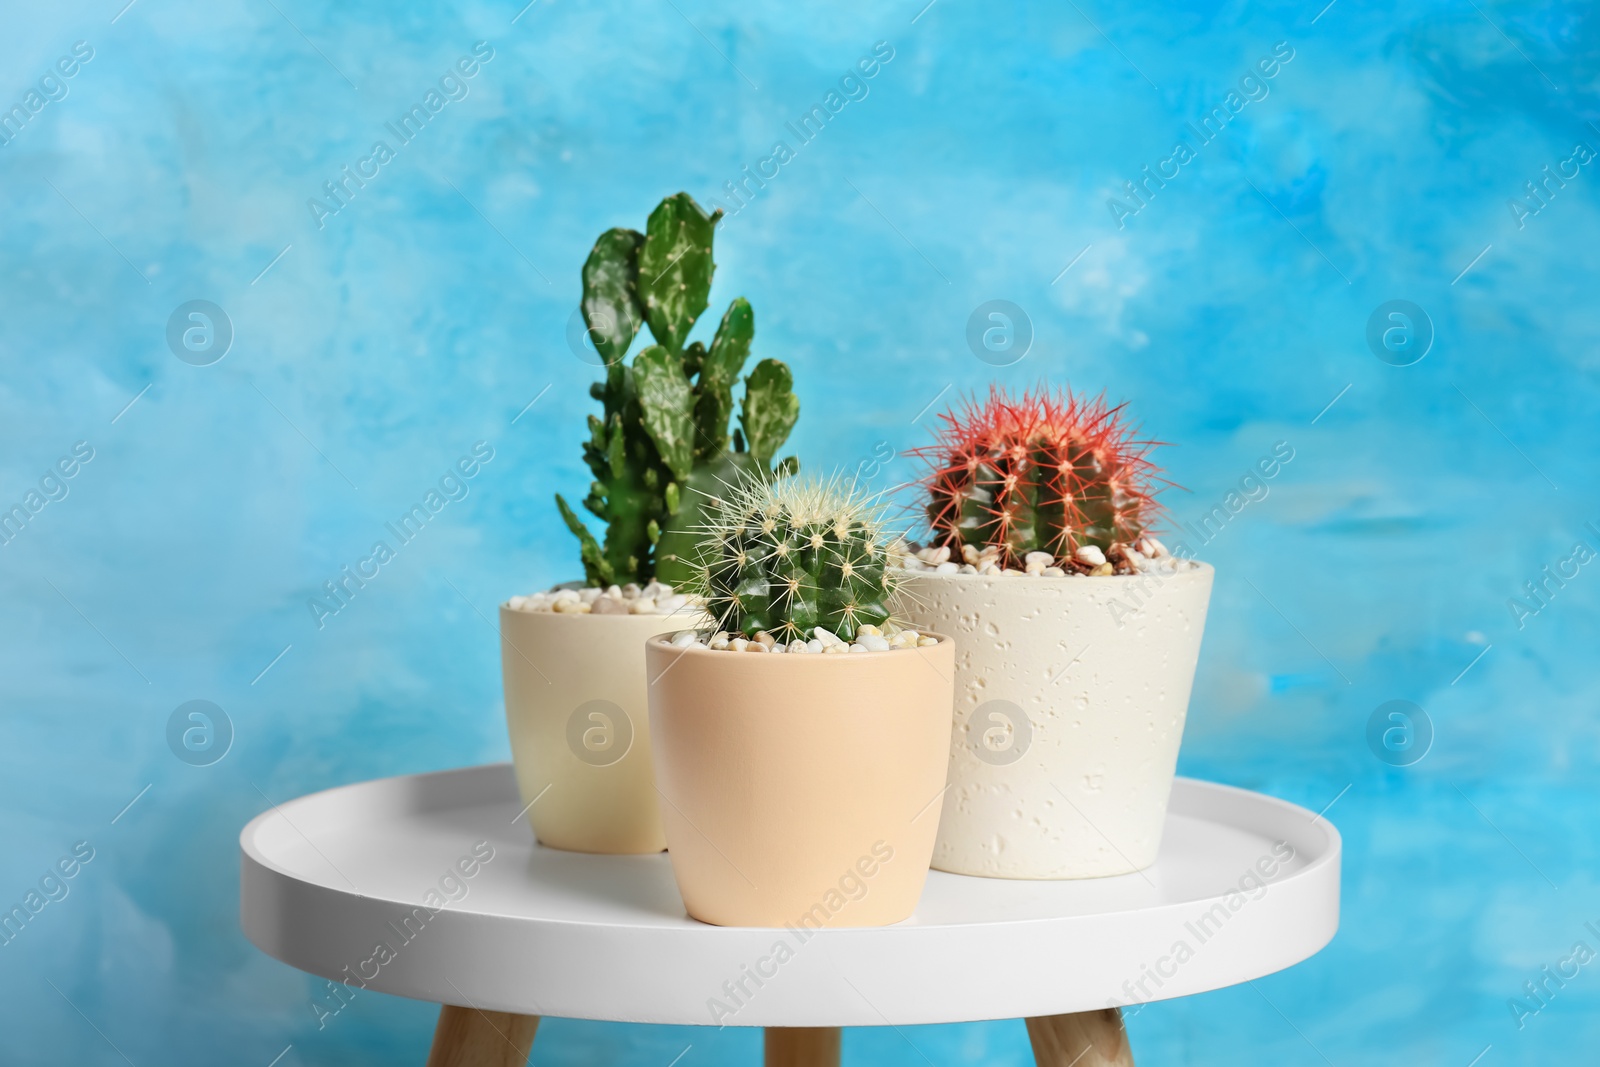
[431, 886]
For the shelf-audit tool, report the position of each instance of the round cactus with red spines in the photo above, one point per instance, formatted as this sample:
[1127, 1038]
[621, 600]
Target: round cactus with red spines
[1049, 471]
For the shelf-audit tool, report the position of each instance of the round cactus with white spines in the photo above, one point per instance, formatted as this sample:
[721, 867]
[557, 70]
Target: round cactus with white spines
[788, 555]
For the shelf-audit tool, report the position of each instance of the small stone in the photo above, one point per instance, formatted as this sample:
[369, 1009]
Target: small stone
[935, 555]
[968, 568]
[565, 596]
[630, 591]
[1090, 554]
[1014, 573]
[685, 638]
[969, 554]
[671, 605]
[1157, 549]
[739, 644]
[1043, 559]
[989, 567]
[643, 606]
[798, 646]
[1035, 566]
[590, 595]
[719, 640]
[947, 567]
[872, 642]
[926, 641]
[573, 607]
[756, 646]
[614, 591]
[840, 647]
[1102, 570]
[869, 628]
[516, 602]
[606, 605]
[765, 639]
[813, 646]
[1054, 572]
[826, 636]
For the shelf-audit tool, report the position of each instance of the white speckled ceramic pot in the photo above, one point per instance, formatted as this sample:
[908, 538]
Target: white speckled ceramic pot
[1070, 699]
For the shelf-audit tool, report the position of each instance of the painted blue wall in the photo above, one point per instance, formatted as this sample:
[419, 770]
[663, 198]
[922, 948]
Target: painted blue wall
[374, 345]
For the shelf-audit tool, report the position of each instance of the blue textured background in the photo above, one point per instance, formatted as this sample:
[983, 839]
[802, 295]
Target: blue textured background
[1229, 312]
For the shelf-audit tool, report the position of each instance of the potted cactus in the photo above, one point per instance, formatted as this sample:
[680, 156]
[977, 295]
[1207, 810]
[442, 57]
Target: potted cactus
[1078, 635]
[573, 658]
[801, 737]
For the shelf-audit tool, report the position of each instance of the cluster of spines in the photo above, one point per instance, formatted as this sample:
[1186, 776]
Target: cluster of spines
[1049, 471]
[788, 555]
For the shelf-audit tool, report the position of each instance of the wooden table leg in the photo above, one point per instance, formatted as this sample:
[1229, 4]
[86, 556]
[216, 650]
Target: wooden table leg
[1084, 1039]
[802, 1046]
[467, 1037]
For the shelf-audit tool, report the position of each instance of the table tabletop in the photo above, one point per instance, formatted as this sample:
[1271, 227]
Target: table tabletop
[431, 886]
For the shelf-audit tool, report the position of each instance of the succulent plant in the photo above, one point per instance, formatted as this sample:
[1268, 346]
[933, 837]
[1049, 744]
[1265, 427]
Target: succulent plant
[661, 444]
[791, 554]
[1045, 472]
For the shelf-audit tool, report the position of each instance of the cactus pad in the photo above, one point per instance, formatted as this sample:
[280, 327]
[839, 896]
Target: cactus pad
[664, 427]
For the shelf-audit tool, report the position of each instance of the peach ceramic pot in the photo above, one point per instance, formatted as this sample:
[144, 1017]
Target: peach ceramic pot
[800, 789]
[580, 728]
[1070, 700]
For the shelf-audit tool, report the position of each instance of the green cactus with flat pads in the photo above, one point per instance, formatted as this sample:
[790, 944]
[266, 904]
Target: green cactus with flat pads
[662, 442]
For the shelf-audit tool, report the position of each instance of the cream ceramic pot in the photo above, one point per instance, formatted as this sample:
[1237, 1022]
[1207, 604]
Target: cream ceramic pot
[1070, 698]
[800, 789]
[580, 728]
